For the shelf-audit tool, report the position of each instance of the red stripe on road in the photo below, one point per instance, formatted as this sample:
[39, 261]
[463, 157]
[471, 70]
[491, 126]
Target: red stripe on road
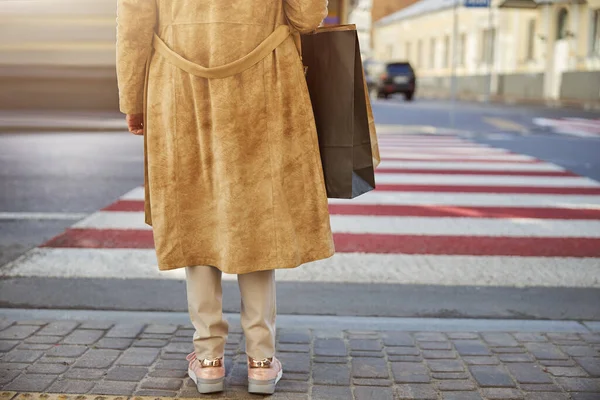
[368, 243]
[472, 172]
[464, 160]
[489, 189]
[425, 211]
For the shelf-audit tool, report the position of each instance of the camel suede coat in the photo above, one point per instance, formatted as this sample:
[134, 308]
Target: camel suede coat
[232, 166]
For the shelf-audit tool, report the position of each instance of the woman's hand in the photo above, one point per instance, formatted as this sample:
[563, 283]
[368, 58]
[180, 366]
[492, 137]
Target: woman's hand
[135, 122]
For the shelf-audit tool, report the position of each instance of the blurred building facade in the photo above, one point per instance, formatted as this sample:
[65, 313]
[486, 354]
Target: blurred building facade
[60, 54]
[516, 49]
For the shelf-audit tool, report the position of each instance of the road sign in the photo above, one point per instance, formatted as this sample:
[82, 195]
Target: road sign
[477, 3]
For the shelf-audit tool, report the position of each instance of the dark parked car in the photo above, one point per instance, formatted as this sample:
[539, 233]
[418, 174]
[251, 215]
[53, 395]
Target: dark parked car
[398, 77]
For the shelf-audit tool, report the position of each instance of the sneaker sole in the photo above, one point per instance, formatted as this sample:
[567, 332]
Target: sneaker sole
[263, 387]
[207, 385]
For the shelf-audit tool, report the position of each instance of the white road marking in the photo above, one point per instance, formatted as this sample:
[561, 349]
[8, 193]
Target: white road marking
[32, 216]
[489, 180]
[471, 166]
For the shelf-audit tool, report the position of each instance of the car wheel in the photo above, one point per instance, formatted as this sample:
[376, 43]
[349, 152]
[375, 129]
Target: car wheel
[409, 96]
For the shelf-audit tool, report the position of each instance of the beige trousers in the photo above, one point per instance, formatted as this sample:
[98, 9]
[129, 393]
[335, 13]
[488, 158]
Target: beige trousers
[258, 311]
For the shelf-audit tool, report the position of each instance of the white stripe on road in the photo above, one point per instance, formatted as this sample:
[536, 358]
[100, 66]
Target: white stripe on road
[472, 166]
[444, 150]
[343, 267]
[424, 156]
[451, 226]
[489, 180]
[33, 216]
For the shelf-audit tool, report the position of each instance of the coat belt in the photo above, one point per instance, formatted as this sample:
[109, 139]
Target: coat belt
[223, 71]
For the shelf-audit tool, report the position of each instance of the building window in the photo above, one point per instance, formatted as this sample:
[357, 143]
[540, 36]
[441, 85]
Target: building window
[420, 53]
[446, 51]
[462, 49]
[432, 53]
[531, 40]
[562, 26]
[596, 33]
[408, 50]
[488, 37]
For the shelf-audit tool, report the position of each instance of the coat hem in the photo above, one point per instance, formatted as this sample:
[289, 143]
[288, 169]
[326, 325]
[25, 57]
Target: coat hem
[214, 263]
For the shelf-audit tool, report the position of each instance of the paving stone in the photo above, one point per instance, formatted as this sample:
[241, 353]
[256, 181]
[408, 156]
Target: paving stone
[295, 362]
[371, 382]
[34, 346]
[5, 323]
[59, 328]
[13, 366]
[450, 375]
[590, 337]
[416, 392]
[293, 386]
[32, 322]
[330, 360]
[155, 343]
[397, 339]
[161, 329]
[134, 374]
[22, 356]
[56, 360]
[481, 360]
[546, 396]
[402, 351]
[66, 350]
[320, 392]
[6, 345]
[435, 345]
[365, 345]
[97, 358]
[113, 343]
[584, 396]
[331, 374]
[405, 372]
[445, 365]
[53, 369]
[85, 373]
[491, 376]
[328, 334]
[7, 376]
[31, 383]
[557, 363]
[293, 348]
[168, 373]
[71, 386]
[182, 348]
[298, 337]
[471, 348]
[461, 396]
[590, 365]
[370, 354]
[455, 385]
[363, 335]
[188, 333]
[330, 347]
[566, 371]
[502, 394]
[141, 356]
[102, 325]
[156, 336]
[373, 393]
[528, 373]
[579, 384]
[508, 350]
[530, 337]
[530, 387]
[438, 354]
[172, 364]
[545, 351]
[83, 336]
[510, 358]
[43, 339]
[114, 388]
[405, 358]
[290, 376]
[124, 331]
[155, 393]
[162, 384]
[562, 336]
[179, 356]
[579, 351]
[369, 368]
[462, 335]
[430, 337]
[500, 339]
[18, 332]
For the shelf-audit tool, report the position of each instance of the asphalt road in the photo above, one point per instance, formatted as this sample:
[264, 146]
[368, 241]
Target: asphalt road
[48, 181]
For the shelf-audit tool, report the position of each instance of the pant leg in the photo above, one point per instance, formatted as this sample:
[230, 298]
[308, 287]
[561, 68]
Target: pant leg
[205, 306]
[258, 312]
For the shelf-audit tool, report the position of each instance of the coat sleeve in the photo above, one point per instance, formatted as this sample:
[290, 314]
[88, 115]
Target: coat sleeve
[305, 15]
[136, 21]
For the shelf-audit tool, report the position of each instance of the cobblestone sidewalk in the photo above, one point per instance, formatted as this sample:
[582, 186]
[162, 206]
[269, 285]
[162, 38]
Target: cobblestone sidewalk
[99, 358]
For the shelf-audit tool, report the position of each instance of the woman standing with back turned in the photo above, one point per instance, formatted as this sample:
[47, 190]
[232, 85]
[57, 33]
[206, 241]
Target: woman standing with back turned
[233, 180]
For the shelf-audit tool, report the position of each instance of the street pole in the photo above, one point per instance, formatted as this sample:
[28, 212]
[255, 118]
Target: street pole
[453, 83]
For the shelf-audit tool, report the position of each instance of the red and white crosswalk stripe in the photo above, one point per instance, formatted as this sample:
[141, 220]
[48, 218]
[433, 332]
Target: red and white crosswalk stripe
[446, 211]
[583, 127]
